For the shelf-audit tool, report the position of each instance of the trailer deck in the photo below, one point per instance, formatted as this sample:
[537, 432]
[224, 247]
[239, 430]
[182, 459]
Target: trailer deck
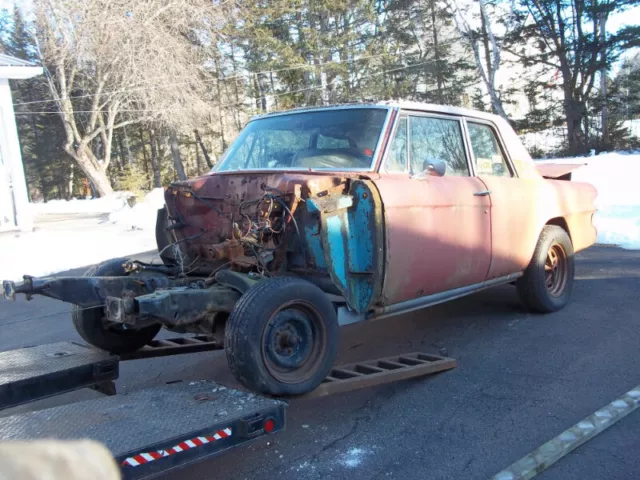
[155, 430]
[152, 431]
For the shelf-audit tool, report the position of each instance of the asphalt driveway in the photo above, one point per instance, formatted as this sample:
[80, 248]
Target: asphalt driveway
[521, 380]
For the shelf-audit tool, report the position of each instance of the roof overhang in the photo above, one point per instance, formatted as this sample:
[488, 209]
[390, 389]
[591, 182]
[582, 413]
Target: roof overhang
[19, 73]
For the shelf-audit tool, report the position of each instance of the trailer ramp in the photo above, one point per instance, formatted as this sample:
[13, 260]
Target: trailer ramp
[32, 373]
[153, 431]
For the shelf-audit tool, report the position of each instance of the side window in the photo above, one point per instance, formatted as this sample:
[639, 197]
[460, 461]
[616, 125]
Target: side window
[486, 150]
[437, 139]
[397, 159]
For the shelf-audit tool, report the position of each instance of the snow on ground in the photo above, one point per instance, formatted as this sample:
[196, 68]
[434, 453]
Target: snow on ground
[73, 243]
[615, 176]
[143, 215]
[110, 203]
[57, 249]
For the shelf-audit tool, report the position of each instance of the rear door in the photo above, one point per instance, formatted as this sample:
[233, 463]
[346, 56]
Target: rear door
[514, 229]
[437, 229]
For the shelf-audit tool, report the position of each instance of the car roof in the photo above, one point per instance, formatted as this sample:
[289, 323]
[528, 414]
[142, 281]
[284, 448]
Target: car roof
[519, 154]
[402, 104]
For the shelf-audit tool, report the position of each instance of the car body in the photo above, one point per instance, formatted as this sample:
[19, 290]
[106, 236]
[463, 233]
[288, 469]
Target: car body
[390, 236]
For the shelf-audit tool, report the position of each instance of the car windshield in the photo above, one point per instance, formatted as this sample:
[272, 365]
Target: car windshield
[324, 139]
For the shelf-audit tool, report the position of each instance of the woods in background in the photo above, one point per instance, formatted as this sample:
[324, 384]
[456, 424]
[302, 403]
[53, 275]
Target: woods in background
[138, 94]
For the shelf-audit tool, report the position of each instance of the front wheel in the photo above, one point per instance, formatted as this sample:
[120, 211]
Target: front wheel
[281, 337]
[548, 280]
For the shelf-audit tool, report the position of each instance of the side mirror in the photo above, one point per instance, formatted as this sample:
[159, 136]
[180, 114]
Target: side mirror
[436, 168]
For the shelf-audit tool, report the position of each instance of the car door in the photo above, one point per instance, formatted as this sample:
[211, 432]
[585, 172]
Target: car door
[514, 229]
[437, 229]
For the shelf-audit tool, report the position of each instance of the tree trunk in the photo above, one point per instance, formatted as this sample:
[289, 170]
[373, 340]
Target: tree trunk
[127, 146]
[70, 190]
[121, 153]
[574, 114]
[263, 97]
[198, 160]
[603, 83]
[436, 51]
[155, 164]
[175, 153]
[145, 155]
[97, 177]
[204, 149]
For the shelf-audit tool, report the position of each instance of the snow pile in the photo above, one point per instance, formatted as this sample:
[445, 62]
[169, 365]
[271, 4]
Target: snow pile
[615, 175]
[47, 251]
[144, 213]
[71, 242]
[110, 203]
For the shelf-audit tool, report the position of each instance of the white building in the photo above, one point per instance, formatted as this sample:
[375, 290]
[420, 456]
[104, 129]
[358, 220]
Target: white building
[14, 200]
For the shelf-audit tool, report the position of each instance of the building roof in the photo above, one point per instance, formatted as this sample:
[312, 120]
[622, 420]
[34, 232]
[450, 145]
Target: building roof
[8, 61]
[15, 68]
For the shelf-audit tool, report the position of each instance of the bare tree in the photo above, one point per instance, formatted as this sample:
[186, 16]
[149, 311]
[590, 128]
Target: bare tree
[115, 62]
[486, 40]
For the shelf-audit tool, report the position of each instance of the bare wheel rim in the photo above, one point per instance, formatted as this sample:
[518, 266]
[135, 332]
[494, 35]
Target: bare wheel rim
[556, 270]
[293, 342]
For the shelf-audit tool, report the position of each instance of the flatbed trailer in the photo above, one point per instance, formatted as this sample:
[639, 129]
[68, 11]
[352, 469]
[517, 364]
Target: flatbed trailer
[153, 431]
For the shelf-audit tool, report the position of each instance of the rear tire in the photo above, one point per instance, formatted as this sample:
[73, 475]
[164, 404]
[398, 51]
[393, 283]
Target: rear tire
[548, 280]
[281, 337]
[90, 325]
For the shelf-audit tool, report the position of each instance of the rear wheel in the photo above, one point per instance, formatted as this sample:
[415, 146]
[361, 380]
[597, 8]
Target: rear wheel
[92, 326]
[281, 337]
[548, 280]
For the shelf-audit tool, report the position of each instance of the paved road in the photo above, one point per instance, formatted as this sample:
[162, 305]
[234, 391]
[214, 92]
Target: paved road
[521, 380]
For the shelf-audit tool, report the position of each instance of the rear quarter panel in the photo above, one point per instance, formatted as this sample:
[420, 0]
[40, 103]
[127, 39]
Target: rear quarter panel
[521, 207]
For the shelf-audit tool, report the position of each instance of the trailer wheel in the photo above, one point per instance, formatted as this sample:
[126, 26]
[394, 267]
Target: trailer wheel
[90, 325]
[281, 337]
[548, 280]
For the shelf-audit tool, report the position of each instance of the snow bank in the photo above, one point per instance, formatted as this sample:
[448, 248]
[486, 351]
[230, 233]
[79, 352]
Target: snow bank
[45, 252]
[143, 215]
[615, 175]
[73, 243]
[110, 203]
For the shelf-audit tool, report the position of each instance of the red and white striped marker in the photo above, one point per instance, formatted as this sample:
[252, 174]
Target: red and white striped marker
[147, 457]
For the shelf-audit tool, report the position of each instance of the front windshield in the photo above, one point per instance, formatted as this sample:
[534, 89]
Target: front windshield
[321, 139]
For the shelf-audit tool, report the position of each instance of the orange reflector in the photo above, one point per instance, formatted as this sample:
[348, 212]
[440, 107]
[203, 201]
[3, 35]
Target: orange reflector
[368, 152]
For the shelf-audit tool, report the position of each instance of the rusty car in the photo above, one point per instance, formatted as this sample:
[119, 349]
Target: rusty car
[316, 218]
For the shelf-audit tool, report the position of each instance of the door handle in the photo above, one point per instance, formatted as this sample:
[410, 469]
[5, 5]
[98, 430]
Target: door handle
[483, 193]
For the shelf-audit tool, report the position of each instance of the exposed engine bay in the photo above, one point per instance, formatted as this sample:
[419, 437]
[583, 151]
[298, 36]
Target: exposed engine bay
[325, 228]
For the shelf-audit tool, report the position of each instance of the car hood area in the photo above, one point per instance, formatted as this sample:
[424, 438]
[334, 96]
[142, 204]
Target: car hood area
[325, 226]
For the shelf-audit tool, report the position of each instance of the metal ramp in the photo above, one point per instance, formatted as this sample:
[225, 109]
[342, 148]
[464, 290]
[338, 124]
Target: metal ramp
[32, 373]
[152, 431]
[369, 373]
